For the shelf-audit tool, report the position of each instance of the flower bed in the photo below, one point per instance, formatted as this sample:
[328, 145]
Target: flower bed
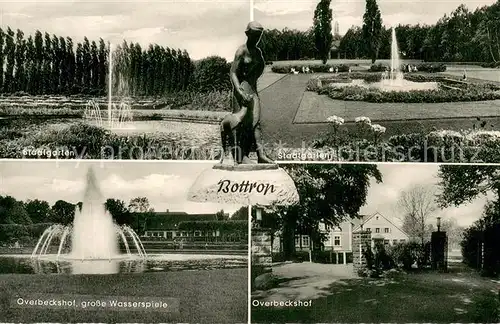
[82, 140]
[455, 93]
[365, 144]
[61, 105]
[357, 93]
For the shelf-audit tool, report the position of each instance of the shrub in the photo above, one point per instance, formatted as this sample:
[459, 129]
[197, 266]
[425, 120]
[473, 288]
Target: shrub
[211, 74]
[485, 308]
[421, 67]
[407, 254]
[377, 260]
[378, 67]
[490, 65]
[431, 67]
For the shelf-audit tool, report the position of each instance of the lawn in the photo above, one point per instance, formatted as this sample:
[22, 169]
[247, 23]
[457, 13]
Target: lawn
[427, 297]
[208, 296]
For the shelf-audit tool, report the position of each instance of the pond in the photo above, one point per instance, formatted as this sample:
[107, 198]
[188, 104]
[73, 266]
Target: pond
[24, 264]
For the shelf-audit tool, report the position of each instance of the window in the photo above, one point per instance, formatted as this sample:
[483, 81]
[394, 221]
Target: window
[376, 217]
[305, 240]
[197, 233]
[377, 230]
[402, 241]
[327, 227]
[386, 230]
[297, 242]
[336, 240]
[394, 242]
[169, 235]
[386, 242]
[369, 229]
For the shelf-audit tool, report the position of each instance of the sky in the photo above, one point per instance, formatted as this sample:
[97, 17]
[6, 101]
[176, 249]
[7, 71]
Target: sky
[202, 27]
[397, 178]
[166, 185]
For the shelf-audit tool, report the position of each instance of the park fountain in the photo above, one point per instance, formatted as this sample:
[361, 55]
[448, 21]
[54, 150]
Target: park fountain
[394, 80]
[93, 234]
[94, 244]
[119, 114]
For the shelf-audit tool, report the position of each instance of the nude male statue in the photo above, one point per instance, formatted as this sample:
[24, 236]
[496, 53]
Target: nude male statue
[241, 131]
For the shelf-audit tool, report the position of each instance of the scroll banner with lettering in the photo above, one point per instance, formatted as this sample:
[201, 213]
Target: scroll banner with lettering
[246, 186]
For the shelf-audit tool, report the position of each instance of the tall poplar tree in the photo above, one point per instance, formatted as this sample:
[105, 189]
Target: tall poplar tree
[322, 27]
[372, 29]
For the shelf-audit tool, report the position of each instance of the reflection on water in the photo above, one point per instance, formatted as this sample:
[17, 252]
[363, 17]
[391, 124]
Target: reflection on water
[27, 265]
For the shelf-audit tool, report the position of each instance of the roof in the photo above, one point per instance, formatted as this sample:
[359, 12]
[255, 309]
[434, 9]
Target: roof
[366, 218]
[335, 45]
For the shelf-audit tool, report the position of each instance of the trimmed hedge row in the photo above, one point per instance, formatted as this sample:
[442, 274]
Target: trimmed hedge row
[313, 68]
[358, 93]
[421, 67]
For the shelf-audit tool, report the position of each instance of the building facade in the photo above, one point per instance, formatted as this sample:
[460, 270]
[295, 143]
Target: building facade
[184, 227]
[338, 239]
[383, 229]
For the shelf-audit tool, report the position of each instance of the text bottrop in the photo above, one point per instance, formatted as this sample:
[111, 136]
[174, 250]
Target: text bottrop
[227, 186]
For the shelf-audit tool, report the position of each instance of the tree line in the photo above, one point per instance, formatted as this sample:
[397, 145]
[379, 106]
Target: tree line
[44, 64]
[34, 211]
[461, 36]
[26, 220]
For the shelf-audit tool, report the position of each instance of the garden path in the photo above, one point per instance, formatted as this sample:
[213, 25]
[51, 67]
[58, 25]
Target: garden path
[305, 281]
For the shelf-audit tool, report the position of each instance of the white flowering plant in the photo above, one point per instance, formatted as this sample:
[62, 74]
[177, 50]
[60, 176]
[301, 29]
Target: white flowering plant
[362, 120]
[378, 129]
[336, 120]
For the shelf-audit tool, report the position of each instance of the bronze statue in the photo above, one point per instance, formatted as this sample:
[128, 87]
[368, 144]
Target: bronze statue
[241, 131]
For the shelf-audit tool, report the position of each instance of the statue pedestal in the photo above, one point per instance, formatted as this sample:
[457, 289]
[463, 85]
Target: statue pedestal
[244, 184]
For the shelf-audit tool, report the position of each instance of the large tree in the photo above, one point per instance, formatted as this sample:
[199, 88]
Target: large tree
[38, 210]
[139, 205]
[372, 29]
[328, 194]
[119, 211]
[463, 183]
[63, 212]
[322, 26]
[418, 205]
